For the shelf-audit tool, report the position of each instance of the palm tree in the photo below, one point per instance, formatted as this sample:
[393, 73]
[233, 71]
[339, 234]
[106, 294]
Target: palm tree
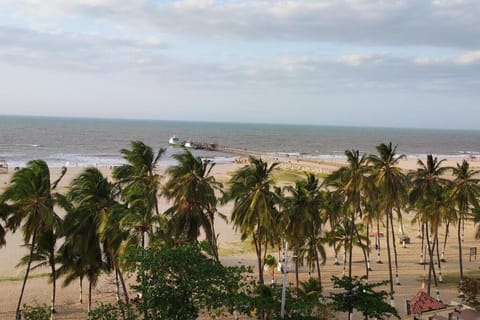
[464, 195]
[94, 208]
[45, 256]
[391, 184]
[331, 212]
[427, 196]
[30, 196]
[254, 209]
[302, 223]
[192, 189]
[350, 182]
[81, 253]
[140, 184]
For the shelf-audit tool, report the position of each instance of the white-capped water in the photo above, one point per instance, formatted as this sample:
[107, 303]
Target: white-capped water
[86, 142]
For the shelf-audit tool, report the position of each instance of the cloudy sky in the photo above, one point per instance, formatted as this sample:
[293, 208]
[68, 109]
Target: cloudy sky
[402, 63]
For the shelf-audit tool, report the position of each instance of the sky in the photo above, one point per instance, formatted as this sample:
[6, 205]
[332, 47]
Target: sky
[389, 63]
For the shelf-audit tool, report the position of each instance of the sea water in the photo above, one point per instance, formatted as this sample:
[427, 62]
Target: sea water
[87, 142]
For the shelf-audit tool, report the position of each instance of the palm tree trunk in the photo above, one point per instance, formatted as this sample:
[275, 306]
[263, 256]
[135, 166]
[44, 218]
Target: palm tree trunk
[54, 290]
[124, 287]
[81, 289]
[430, 264]
[369, 268]
[460, 260]
[352, 230]
[445, 241]
[402, 231]
[395, 255]
[117, 286]
[258, 251]
[365, 255]
[117, 292]
[319, 274]
[392, 301]
[296, 269]
[89, 308]
[439, 261]
[18, 314]
[378, 241]
[422, 248]
[213, 237]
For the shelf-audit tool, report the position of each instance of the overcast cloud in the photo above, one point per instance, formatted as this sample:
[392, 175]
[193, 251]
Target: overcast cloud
[353, 62]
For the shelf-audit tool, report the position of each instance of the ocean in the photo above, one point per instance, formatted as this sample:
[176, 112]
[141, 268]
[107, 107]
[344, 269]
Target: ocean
[86, 142]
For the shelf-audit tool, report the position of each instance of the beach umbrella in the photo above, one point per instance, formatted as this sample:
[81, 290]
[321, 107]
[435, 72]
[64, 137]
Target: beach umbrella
[376, 234]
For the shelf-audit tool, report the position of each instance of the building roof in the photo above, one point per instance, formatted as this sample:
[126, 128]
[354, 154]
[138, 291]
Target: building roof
[422, 302]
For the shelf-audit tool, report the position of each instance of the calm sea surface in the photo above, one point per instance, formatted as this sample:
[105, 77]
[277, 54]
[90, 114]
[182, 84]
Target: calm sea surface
[84, 142]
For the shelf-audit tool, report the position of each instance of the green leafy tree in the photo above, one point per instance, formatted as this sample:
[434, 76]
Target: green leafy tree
[306, 303]
[39, 312]
[192, 188]
[180, 282]
[254, 211]
[30, 201]
[360, 295]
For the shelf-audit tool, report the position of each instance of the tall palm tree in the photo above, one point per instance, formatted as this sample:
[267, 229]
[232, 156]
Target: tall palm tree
[301, 220]
[464, 195]
[140, 183]
[81, 253]
[94, 205]
[427, 197]
[254, 210]
[350, 182]
[331, 212]
[192, 189]
[391, 184]
[45, 256]
[30, 196]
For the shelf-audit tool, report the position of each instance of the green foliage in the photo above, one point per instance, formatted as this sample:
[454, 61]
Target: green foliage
[39, 312]
[112, 312]
[362, 297]
[471, 290]
[306, 303]
[180, 282]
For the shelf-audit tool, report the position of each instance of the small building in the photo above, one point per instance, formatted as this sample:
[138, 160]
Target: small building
[422, 306]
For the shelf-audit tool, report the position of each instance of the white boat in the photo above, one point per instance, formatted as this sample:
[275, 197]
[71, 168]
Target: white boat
[189, 144]
[174, 141]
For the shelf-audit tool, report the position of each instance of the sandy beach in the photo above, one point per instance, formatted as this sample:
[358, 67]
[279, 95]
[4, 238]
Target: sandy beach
[38, 290]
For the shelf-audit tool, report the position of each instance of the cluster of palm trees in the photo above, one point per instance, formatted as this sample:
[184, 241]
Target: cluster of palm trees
[367, 195]
[103, 218]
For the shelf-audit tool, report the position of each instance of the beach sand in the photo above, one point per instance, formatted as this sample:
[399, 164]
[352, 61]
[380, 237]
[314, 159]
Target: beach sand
[234, 252]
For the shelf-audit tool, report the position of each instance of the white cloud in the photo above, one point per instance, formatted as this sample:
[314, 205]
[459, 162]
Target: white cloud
[394, 22]
[356, 59]
[469, 57]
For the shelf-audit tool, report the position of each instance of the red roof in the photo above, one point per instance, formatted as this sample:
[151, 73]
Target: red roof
[422, 302]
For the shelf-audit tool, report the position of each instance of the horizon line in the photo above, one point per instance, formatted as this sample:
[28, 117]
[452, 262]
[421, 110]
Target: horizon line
[234, 122]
